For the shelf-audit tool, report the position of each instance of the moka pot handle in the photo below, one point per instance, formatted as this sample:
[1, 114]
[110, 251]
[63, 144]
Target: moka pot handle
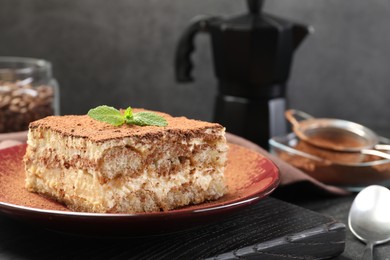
[185, 47]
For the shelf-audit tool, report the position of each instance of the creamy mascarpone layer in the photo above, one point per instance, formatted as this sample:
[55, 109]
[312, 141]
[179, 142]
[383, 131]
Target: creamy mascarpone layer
[116, 157]
[70, 146]
[124, 195]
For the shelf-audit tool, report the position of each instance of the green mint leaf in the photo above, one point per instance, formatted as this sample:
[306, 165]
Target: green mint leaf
[128, 114]
[107, 114]
[113, 116]
[148, 118]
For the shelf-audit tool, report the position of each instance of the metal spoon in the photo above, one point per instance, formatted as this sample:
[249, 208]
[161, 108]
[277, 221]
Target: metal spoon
[369, 217]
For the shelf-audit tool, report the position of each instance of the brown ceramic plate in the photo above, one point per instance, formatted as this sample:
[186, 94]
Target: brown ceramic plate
[249, 175]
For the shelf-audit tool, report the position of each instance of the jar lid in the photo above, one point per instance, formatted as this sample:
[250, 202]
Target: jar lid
[24, 69]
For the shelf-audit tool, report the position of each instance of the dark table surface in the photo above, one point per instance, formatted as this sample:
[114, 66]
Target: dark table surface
[336, 207]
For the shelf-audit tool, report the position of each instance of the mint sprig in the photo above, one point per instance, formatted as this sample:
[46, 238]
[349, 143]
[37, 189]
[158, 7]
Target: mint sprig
[114, 117]
[107, 114]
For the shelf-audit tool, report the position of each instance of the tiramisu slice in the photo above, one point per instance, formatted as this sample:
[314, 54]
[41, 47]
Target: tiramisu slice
[93, 166]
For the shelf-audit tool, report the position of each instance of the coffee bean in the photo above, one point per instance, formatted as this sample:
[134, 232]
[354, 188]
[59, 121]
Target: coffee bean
[22, 104]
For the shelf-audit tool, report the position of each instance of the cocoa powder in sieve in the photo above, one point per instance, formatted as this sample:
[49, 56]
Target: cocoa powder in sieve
[337, 168]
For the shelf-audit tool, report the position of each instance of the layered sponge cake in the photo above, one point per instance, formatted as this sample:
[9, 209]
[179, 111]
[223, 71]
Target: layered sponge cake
[93, 166]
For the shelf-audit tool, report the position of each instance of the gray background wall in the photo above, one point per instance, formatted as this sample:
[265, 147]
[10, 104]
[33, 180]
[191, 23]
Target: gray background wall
[121, 53]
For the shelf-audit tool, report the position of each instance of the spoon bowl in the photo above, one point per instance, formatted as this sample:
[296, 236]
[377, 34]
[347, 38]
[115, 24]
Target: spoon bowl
[369, 217]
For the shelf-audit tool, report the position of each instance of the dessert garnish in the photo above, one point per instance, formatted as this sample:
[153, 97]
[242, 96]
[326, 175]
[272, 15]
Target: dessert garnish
[115, 117]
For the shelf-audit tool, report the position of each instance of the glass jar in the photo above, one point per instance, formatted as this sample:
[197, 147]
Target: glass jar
[28, 92]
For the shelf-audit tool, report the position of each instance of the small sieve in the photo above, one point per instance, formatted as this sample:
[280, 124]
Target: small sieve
[336, 134]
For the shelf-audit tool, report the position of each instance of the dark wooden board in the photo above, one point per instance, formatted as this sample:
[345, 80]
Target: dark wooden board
[270, 229]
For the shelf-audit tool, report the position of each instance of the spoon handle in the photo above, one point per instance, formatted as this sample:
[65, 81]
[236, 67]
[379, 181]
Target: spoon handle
[368, 252]
[377, 153]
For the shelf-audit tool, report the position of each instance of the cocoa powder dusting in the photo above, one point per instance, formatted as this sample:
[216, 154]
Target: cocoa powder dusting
[85, 127]
[335, 138]
[237, 177]
[12, 180]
